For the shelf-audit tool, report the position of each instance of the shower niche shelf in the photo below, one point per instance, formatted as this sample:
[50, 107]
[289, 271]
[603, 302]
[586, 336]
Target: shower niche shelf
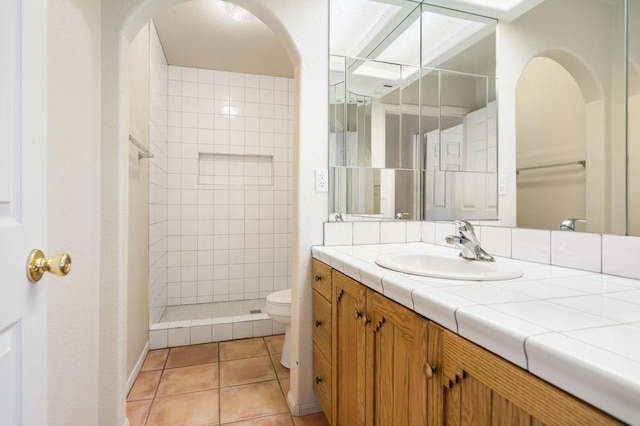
[235, 169]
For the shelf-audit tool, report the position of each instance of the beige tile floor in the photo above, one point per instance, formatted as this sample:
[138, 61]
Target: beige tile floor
[240, 382]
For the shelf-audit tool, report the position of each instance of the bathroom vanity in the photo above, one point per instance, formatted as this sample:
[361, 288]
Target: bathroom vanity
[380, 357]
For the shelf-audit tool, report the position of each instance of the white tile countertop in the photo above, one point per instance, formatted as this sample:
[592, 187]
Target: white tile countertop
[576, 329]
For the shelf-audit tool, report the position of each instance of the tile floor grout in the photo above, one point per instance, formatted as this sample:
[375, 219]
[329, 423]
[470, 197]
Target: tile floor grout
[189, 382]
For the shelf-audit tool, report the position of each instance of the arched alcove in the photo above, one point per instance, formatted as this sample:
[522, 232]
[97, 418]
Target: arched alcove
[558, 103]
[550, 129]
[302, 28]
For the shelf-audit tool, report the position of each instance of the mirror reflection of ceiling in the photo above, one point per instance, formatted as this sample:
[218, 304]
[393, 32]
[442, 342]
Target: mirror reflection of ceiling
[397, 37]
[388, 31]
[213, 34]
[503, 10]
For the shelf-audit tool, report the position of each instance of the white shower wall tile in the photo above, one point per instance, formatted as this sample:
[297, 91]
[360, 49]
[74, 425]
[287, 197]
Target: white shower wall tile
[158, 339]
[158, 185]
[179, 336]
[222, 330]
[242, 329]
[230, 197]
[200, 334]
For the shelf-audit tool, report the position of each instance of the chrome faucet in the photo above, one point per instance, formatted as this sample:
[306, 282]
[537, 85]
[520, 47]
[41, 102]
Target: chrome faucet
[468, 243]
[570, 224]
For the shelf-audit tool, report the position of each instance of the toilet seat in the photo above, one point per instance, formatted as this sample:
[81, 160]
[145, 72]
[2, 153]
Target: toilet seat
[279, 304]
[282, 297]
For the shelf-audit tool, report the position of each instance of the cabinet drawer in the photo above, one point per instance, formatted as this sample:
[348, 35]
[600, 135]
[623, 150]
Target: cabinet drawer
[322, 324]
[322, 380]
[321, 278]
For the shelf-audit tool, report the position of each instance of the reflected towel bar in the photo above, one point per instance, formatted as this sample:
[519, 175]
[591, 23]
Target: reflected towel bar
[142, 151]
[582, 163]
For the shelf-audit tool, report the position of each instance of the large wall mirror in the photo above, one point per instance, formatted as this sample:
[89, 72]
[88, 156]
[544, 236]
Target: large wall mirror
[407, 106]
[413, 126]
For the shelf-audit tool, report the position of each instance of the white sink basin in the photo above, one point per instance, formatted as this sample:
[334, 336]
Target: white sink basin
[448, 266]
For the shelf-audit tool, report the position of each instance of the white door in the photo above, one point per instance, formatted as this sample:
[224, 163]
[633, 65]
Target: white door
[476, 189]
[444, 154]
[23, 118]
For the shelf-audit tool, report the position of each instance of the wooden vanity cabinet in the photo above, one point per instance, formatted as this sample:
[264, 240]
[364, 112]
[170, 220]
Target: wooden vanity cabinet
[380, 353]
[397, 364]
[480, 388]
[322, 329]
[349, 351]
[389, 366]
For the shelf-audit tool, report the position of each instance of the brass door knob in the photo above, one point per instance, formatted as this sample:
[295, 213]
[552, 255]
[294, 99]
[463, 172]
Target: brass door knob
[318, 277]
[38, 264]
[318, 323]
[318, 380]
[357, 314]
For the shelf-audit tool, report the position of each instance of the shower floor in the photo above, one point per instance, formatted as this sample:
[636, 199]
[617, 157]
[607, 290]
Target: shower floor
[212, 310]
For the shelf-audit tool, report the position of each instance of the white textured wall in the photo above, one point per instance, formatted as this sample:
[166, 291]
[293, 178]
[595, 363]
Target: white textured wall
[138, 269]
[229, 221]
[74, 209]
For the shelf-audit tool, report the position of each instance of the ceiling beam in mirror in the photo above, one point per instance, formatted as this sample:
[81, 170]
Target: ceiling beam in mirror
[359, 26]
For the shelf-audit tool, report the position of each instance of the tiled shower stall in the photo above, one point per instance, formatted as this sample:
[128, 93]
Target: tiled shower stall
[220, 199]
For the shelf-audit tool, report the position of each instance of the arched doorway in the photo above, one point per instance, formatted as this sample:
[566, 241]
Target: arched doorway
[303, 29]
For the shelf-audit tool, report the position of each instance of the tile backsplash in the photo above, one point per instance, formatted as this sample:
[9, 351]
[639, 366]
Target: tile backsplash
[608, 254]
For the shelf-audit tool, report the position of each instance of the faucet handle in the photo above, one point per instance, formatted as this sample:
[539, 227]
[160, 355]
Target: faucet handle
[570, 224]
[463, 226]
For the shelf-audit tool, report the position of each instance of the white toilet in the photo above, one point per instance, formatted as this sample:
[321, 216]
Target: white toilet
[278, 307]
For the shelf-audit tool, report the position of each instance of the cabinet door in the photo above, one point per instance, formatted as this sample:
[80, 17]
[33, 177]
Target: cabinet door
[321, 278]
[396, 358]
[481, 388]
[322, 324]
[349, 303]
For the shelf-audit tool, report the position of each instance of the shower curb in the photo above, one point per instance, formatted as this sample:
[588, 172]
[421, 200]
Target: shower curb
[194, 332]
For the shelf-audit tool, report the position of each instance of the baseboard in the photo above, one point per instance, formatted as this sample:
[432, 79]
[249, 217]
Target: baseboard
[137, 368]
[303, 409]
